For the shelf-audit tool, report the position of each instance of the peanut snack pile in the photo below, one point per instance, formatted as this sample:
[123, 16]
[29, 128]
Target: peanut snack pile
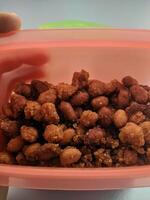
[87, 123]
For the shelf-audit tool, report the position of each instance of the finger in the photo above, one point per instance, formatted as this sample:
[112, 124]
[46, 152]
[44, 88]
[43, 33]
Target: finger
[9, 80]
[13, 60]
[9, 22]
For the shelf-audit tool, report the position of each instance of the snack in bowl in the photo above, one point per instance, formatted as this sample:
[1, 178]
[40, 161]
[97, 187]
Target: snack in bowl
[87, 123]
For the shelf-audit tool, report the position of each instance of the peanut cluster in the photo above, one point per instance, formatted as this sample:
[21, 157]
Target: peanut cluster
[87, 123]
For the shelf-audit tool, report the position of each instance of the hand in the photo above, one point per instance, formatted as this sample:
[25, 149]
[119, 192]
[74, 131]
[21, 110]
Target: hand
[16, 66]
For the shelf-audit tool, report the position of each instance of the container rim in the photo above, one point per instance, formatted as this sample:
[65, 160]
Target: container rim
[69, 173]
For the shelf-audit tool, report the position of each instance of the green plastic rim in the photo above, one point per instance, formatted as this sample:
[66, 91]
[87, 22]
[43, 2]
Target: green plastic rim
[72, 24]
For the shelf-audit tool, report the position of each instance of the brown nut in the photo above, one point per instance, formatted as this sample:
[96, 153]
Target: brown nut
[68, 135]
[68, 111]
[78, 111]
[48, 96]
[146, 130]
[123, 98]
[127, 157]
[132, 134]
[137, 117]
[65, 90]
[148, 154]
[96, 88]
[33, 110]
[20, 158]
[53, 133]
[105, 116]
[31, 152]
[134, 108]
[23, 89]
[39, 86]
[130, 157]
[7, 111]
[79, 98]
[102, 158]
[129, 81]
[80, 79]
[49, 113]
[69, 156]
[48, 151]
[99, 102]
[120, 118]
[139, 94]
[94, 136]
[29, 134]
[15, 144]
[112, 86]
[6, 158]
[10, 127]
[111, 142]
[18, 104]
[88, 118]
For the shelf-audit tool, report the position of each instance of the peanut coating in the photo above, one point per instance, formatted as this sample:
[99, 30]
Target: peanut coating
[69, 156]
[120, 118]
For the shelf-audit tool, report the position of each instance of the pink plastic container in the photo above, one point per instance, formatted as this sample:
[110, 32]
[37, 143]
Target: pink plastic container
[106, 54]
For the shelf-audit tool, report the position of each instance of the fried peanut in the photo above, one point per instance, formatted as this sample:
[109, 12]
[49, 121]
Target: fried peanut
[31, 152]
[148, 154]
[23, 89]
[127, 157]
[95, 136]
[88, 118]
[99, 102]
[33, 110]
[18, 104]
[137, 117]
[78, 111]
[120, 118]
[68, 111]
[123, 98]
[129, 81]
[80, 79]
[6, 158]
[139, 94]
[10, 127]
[146, 130]
[49, 113]
[15, 144]
[48, 96]
[69, 156]
[68, 135]
[7, 111]
[132, 134]
[39, 86]
[102, 157]
[79, 98]
[29, 134]
[105, 116]
[96, 88]
[48, 151]
[20, 158]
[53, 134]
[65, 90]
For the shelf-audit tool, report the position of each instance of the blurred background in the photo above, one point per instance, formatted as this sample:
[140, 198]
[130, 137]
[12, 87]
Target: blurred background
[112, 13]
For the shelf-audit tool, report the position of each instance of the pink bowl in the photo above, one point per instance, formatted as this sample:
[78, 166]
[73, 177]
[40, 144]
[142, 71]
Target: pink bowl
[106, 54]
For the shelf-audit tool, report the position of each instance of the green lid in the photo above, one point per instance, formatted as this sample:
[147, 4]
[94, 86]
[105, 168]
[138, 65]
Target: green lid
[72, 24]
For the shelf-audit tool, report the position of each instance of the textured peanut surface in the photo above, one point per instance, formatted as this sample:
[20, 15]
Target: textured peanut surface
[87, 123]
